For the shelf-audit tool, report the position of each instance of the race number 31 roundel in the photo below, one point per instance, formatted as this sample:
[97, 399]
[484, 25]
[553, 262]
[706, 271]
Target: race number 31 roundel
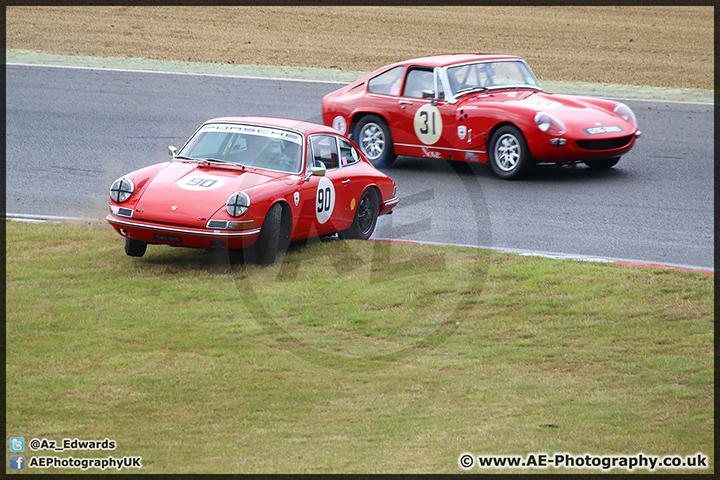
[428, 124]
[324, 200]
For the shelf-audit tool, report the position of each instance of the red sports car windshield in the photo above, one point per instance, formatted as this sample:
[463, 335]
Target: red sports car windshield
[246, 145]
[488, 75]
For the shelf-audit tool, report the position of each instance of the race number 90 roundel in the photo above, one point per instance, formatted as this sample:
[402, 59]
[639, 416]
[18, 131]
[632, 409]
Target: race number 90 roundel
[324, 200]
[201, 183]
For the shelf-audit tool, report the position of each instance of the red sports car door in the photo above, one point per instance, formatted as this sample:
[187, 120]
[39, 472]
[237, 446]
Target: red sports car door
[420, 126]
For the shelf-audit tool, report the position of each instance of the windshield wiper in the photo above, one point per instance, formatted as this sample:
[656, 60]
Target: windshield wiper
[201, 160]
[517, 87]
[208, 161]
[211, 160]
[465, 91]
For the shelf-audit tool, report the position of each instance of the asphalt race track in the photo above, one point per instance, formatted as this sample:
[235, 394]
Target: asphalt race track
[71, 132]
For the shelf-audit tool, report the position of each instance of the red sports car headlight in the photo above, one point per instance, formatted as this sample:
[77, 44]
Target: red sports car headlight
[626, 113]
[548, 123]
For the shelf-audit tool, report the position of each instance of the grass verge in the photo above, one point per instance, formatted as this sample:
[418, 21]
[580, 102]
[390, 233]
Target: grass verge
[349, 357]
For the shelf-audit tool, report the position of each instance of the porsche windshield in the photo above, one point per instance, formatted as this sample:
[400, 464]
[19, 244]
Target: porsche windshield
[490, 75]
[247, 145]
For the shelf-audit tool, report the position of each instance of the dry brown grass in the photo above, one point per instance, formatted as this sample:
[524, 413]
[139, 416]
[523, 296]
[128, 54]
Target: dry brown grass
[651, 46]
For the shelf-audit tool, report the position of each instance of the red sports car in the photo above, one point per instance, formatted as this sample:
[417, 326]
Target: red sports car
[477, 108]
[253, 182]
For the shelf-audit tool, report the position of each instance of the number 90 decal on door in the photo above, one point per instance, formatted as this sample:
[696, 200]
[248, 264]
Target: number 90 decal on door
[324, 200]
[428, 124]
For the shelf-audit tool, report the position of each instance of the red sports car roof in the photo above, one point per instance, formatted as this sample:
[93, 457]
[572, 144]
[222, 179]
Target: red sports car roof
[453, 58]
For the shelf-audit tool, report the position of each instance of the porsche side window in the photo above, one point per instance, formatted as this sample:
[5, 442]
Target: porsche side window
[417, 81]
[348, 154]
[387, 83]
[324, 151]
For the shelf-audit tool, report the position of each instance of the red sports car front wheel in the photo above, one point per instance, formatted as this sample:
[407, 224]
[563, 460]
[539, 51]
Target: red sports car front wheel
[508, 153]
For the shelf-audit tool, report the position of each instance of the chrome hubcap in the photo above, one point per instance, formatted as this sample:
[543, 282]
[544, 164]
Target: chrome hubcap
[372, 141]
[507, 152]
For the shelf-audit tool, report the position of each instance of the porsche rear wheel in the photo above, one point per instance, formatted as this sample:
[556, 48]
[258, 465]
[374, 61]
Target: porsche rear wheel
[372, 135]
[603, 163]
[274, 236]
[135, 248]
[366, 216]
[508, 153]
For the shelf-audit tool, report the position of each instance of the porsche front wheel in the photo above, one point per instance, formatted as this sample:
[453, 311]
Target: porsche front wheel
[135, 248]
[508, 153]
[274, 237]
[372, 135]
[366, 216]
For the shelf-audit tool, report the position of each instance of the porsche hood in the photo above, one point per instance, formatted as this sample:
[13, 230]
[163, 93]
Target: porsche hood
[184, 193]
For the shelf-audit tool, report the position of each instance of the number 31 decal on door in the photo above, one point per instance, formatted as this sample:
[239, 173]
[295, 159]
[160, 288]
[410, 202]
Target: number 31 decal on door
[428, 124]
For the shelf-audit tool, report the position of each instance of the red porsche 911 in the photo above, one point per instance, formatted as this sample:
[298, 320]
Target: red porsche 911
[477, 108]
[252, 183]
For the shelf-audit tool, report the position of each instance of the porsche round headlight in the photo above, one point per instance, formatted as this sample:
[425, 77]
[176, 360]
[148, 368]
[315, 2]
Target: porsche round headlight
[121, 189]
[626, 113]
[237, 204]
[548, 123]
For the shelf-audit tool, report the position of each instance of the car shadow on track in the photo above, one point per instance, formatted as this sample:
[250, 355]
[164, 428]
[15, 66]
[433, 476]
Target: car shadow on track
[540, 173]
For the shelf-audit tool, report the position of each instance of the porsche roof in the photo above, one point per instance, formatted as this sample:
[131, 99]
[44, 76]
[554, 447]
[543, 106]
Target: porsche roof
[286, 123]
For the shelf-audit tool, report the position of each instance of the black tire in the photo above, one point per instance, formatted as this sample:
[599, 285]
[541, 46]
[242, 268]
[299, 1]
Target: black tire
[135, 248]
[508, 153]
[603, 163]
[366, 215]
[372, 135]
[273, 237]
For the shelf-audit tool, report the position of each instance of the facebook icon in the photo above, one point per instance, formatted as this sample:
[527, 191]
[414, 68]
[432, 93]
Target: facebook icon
[17, 462]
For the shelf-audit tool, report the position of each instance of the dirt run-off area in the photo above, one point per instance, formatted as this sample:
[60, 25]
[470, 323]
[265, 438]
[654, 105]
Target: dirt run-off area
[655, 46]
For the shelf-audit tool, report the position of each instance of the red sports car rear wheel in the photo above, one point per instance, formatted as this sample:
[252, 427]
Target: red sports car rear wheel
[373, 136]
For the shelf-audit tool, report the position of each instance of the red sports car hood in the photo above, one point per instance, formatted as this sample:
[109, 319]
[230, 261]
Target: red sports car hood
[187, 193]
[574, 112]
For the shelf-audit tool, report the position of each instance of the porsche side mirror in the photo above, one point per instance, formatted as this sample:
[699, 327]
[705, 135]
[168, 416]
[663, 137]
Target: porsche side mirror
[316, 171]
[172, 151]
